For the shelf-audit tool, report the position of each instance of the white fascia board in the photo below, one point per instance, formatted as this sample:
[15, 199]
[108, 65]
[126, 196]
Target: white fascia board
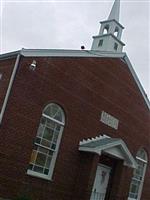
[90, 150]
[9, 55]
[68, 53]
[137, 81]
[62, 53]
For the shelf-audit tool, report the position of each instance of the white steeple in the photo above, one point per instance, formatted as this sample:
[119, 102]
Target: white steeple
[115, 11]
[109, 37]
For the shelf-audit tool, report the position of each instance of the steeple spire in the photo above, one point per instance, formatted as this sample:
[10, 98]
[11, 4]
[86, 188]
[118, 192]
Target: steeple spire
[115, 11]
[109, 37]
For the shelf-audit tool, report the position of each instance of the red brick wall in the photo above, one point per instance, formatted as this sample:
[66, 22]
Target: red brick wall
[83, 87]
[6, 67]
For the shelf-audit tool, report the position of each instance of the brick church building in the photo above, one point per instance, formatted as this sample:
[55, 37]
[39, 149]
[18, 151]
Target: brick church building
[74, 124]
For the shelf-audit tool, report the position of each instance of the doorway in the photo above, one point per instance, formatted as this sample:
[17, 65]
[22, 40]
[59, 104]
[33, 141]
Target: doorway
[100, 182]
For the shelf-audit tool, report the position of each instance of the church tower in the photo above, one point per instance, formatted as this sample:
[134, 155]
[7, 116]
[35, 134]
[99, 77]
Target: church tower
[109, 38]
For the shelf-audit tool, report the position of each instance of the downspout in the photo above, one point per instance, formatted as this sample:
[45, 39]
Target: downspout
[9, 88]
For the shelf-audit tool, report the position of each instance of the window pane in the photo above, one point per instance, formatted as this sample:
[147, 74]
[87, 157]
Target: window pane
[133, 188]
[58, 127]
[142, 154]
[41, 158]
[30, 166]
[46, 171]
[50, 152]
[131, 195]
[55, 137]
[38, 169]
[45, 143]
[43, 150]
[43, 120]
[48, 134]
[50, 123]
[54, 110]
[40, 130]
[58, 116]
[33, 156]
[38, 140]
[53, 146]
[48, 111]
[48, 161]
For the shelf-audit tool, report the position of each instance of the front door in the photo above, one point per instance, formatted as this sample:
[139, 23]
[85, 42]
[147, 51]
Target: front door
[101, 182]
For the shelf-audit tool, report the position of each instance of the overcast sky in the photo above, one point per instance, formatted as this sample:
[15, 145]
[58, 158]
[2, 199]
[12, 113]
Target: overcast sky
[70, 24]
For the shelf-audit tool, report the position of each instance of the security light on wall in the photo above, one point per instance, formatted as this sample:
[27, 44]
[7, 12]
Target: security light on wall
[33, 65]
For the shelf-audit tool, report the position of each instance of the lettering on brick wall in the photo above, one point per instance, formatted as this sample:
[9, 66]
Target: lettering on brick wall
[109, 120]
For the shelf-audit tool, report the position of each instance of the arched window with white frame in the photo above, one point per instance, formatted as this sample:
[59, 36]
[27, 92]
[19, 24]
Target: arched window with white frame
[47, 142]
[106, 29]
[138, 176]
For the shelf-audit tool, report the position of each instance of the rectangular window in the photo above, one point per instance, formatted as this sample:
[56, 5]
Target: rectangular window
[115, 46]
[100, 43]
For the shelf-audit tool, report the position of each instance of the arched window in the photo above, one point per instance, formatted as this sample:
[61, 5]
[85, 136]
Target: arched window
[47, 142]
[116, 32]
[138, 176]
[106, 29]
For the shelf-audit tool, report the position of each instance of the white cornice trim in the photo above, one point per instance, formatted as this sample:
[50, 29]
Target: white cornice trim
[137, 81]
[68, 53]
[61, 53]
[111, 35]
[9, 55]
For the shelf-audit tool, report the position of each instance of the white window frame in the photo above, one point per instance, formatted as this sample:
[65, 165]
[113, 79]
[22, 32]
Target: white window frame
[55, 152]
[142, 180]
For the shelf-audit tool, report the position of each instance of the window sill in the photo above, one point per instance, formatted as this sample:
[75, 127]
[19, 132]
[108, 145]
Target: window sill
[38, 175]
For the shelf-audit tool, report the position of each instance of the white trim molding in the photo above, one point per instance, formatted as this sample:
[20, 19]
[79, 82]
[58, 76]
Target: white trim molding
[9, 88]
[137, 81]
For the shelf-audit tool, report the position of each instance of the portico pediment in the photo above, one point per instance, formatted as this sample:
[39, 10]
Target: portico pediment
[114, 147]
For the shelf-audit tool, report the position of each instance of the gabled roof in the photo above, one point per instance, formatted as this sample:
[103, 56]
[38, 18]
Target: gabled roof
[79, 53]
[115, 147]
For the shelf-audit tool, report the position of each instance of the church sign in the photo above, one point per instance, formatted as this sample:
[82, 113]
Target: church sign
[109, 120]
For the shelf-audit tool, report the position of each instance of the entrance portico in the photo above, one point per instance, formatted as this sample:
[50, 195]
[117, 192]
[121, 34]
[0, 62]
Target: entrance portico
[111, 149]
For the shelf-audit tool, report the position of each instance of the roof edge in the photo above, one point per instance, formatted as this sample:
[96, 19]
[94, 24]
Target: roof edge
[68, 53]
[62, 53]
[9, 54]
[126, 59]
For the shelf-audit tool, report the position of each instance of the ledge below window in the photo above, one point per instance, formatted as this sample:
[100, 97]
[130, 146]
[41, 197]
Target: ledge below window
[38, 175]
